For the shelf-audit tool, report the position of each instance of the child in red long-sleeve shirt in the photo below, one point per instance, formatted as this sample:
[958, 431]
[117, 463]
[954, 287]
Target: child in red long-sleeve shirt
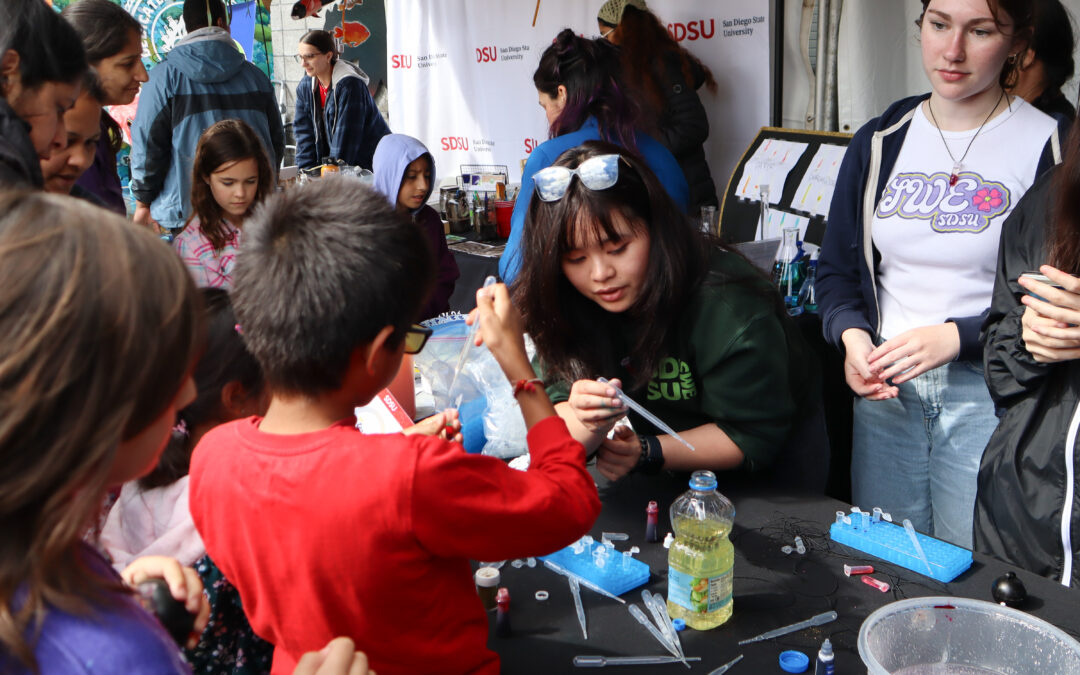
[326, 531]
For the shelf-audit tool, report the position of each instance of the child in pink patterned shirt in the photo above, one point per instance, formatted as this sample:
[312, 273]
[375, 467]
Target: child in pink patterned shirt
[231, 174]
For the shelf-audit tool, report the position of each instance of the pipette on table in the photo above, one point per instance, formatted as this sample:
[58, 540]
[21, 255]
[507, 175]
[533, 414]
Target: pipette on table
[601, 661]
[918, 547]
[636, 612]
[658, 608]
[470, 338]
[556, 567]
[727, 666]
[575, 590]
[818, 620]
[636, 407]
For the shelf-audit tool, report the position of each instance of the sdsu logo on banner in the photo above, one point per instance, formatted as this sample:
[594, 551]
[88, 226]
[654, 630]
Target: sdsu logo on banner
[692, 30]
[487, 54]
[400, 61]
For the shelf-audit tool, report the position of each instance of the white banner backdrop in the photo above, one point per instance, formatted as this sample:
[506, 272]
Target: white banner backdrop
[460, 73]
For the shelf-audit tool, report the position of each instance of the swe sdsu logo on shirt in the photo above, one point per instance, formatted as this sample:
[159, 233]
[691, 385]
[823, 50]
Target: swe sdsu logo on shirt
[672, 381]
[967, 206]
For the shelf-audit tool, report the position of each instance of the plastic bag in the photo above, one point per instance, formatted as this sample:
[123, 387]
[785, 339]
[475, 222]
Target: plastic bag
[490, 417]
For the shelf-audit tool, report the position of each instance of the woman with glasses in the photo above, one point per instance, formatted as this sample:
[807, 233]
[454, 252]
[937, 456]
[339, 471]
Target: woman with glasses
[583, 97]
[336, 118]
[616, 283]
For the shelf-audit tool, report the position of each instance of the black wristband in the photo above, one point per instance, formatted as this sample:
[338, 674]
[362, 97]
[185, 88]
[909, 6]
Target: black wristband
[652, 455]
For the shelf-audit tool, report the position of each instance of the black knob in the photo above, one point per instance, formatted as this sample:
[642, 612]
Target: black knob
[1008, 590]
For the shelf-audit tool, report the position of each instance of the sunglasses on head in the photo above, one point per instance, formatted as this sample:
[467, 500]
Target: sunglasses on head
[595, 173]
[416, 336]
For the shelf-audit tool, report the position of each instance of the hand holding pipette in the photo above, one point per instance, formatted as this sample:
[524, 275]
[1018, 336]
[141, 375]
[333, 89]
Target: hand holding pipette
[473, 321]
[641, 410]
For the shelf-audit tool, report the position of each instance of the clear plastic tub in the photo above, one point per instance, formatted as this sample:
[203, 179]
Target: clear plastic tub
[942, 635]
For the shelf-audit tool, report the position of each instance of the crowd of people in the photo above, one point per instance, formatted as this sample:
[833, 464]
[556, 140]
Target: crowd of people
[186, 412]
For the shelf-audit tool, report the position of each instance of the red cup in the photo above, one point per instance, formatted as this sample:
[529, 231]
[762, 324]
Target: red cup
[503, 211]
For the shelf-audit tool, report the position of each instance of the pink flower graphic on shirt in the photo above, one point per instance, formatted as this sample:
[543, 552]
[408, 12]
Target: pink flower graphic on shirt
[987, 199]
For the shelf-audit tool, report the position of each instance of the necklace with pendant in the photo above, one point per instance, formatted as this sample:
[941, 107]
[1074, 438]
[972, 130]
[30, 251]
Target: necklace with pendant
[959, 163]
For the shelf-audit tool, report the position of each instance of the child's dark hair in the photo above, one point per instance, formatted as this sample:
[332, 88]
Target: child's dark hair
[574, 337]
[225, 360]
[223, 143]
[590, 71]
[196, 14]
[105, 28]
[323, 269]
[49, 49]
[101, 326]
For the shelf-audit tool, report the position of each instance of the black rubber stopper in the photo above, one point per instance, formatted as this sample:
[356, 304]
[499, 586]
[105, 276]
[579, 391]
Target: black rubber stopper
[1009, 590]
[155, 596]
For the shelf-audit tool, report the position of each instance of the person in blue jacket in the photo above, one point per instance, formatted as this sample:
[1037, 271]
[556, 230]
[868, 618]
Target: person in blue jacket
[203, 80]
[579, 87]
[908, 262]
[336, 116]
[405, 173]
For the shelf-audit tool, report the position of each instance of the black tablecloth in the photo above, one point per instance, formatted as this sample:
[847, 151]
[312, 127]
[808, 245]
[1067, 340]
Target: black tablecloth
[771, 589]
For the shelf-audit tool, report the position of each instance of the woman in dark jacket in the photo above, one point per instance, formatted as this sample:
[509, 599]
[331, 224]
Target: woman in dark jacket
[41, 64]
[668, 78]
[335, 116]
[1026, 510]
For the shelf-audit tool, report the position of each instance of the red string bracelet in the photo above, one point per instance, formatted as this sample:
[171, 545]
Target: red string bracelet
[527, 385]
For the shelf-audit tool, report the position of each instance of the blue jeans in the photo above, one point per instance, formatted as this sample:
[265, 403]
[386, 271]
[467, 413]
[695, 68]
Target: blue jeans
[917, 455]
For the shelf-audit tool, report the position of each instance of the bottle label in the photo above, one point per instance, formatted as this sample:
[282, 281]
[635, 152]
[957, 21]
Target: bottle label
[699, 594]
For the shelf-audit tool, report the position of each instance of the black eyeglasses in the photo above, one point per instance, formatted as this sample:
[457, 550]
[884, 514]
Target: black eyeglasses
[416, 336]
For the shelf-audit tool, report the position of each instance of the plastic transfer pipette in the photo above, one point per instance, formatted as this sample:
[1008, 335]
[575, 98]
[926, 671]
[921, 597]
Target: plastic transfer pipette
[658, 608]
[636, 612]
[727, 666]
[818, 620]
[490, 281]
[636, 407]
[575, 590]
[556, 567]
[601, 661]
[918, 547]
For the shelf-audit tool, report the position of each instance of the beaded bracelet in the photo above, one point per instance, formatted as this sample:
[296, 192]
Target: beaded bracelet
[527, 385]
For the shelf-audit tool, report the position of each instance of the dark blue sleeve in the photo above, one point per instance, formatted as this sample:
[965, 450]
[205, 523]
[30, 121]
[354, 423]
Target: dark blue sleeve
[840, 299]
[360, 126]
[304, 127]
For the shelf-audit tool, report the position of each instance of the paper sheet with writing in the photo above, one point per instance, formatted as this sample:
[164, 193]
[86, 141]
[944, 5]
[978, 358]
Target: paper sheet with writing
[778, 220]
[816, 189]
[383, 415]
[770, 165]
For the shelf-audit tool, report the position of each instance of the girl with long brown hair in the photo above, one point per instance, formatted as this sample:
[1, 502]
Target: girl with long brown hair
[231, 174]
[101, 328]
[1026, 509]
[665, 79]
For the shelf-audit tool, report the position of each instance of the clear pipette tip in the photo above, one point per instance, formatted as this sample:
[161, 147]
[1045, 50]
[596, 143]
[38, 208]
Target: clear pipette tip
[817, 620]
[490, 281]
[727, 666]
[636, 407]
[918, 547]
[584, 661]
[575, 590]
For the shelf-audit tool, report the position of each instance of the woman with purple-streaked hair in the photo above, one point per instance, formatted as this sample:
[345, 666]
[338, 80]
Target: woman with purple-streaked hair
[579, 87]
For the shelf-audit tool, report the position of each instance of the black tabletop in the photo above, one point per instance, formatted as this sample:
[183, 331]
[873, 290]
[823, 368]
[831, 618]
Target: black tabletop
[771, 589]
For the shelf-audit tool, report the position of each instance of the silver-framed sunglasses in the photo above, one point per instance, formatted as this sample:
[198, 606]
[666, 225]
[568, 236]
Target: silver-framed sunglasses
[595, 173]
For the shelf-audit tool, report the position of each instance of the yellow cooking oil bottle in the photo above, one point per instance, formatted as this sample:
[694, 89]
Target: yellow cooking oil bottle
[701, 558]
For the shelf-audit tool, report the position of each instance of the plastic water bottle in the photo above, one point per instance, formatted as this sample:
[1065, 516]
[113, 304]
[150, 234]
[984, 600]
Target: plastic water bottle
[701, 558]
[788, 267]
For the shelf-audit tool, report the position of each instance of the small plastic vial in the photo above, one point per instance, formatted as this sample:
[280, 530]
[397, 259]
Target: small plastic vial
[877, 514]
[876, 583]
[487, 582]
[800, 546]
[858, 569]
[652, 516]
[786, 550]
[669, 539]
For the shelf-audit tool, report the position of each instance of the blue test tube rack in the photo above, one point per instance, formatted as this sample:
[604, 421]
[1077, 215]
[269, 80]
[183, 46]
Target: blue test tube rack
[614, 577]
[891, 543]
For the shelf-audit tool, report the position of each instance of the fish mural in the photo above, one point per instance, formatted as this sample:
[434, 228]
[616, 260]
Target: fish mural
[353, 33]
[305, 8]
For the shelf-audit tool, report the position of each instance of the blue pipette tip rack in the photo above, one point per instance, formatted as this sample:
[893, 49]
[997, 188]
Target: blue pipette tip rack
[612, 577]
[891, 543]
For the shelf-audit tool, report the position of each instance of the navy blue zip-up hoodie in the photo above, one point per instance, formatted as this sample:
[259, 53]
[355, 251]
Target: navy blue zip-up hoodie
[846, 281]
[352, 124]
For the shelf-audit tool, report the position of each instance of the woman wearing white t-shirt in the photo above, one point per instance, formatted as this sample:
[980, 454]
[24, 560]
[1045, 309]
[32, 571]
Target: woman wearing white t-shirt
[907, 264]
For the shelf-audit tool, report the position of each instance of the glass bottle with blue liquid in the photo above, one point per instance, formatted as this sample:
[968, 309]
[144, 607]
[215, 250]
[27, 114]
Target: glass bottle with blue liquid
[789, 268]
